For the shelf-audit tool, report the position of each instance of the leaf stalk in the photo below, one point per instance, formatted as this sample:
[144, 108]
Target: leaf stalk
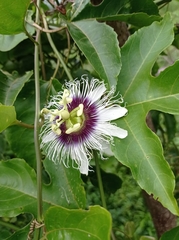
[23, 124]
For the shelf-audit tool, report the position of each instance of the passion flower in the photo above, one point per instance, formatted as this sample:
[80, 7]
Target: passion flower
[77, 121]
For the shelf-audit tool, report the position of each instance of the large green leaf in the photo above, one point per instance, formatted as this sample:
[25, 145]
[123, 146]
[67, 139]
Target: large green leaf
[11, 85]
[93, 224]
[140, 14]
[21, 139]
[22, 234]
[99, 44]
[142, 150]
[7, 42]
[137, 19]
[83, 9]
[18, 188]
[65, 187]
[7, 116]
[78, 6]
[12, 16]
[147, 6]
[173, 234]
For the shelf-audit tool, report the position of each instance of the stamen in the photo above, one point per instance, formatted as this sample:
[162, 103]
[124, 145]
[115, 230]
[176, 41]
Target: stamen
[73, 120]
[74, 128]
[80, 111]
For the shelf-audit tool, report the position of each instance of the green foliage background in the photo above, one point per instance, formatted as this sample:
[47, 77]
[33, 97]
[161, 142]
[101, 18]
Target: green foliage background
[142, 71]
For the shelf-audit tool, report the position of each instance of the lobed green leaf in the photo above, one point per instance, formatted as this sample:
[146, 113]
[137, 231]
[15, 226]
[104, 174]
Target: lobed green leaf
[142, 150]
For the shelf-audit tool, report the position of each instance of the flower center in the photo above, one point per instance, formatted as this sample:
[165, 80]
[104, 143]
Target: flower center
[73, 120]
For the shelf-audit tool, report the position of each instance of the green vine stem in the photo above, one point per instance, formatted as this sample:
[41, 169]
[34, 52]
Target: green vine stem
[51, 79]
[36, 125]
[42, 60]
[101, 189]
[58, 55]
[100, 183]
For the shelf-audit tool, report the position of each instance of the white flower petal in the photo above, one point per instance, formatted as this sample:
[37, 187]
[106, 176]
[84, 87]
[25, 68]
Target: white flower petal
[106, 149]
[112, 113]
[96, 93]
[80, 156]
[84, 167]
[112, 130]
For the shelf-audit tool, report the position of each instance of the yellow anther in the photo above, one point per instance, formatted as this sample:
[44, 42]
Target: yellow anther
[73, 120]
[74, 128]
[80, 111]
